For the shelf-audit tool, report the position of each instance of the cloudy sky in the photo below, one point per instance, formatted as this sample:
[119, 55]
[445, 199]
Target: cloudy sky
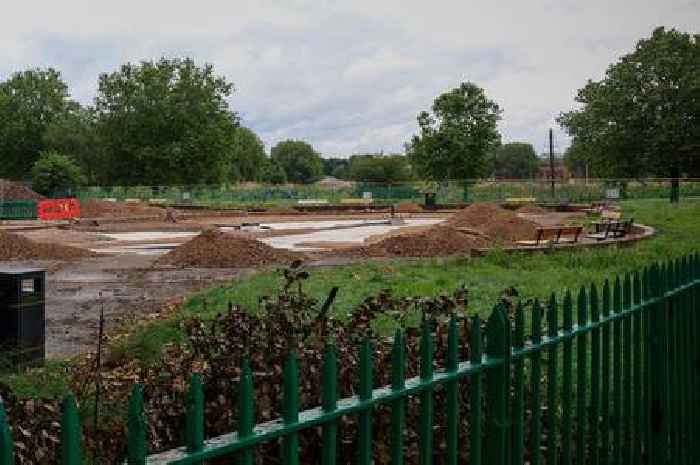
[348, 76]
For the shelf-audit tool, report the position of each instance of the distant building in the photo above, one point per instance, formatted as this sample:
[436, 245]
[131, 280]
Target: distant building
[561, 172]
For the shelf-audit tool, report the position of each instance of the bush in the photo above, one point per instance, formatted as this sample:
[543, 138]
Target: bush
[55, 173]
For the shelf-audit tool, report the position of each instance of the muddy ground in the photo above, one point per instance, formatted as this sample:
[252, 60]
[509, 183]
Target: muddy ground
[127, 285]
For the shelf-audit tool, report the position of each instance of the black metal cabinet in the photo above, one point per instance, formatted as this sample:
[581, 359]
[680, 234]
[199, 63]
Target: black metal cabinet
[22, 316]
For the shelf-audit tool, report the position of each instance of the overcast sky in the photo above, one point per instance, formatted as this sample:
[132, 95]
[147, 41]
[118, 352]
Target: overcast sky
[348, 76]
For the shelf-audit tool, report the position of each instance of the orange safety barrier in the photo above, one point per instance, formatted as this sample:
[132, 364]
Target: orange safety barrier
[59, 209]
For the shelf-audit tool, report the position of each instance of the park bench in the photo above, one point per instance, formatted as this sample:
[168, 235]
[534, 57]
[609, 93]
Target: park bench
[554, 235]
[611, 229]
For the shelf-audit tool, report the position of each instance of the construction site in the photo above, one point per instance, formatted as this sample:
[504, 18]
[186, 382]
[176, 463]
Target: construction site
[130, 259]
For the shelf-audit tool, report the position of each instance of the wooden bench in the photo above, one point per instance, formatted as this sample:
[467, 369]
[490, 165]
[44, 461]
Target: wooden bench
[555, 235]
[611, 229]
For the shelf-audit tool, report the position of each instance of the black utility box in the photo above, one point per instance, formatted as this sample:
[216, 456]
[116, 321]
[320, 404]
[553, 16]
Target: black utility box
[22, 316]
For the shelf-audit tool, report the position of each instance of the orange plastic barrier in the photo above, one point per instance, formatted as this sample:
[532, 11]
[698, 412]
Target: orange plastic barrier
[59, 209]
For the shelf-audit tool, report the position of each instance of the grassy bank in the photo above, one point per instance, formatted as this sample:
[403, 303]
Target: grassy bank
[533, 275]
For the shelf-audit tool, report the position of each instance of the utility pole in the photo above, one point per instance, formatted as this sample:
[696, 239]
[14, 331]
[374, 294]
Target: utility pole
[551, 161]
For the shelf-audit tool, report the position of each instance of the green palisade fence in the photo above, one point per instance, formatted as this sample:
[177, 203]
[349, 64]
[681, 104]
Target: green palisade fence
[18, 210]
[618, 382]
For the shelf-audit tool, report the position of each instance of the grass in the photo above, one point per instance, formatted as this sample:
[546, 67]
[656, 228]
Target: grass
[533, 275]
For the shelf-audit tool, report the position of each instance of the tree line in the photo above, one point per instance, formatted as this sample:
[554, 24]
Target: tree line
[168, 122]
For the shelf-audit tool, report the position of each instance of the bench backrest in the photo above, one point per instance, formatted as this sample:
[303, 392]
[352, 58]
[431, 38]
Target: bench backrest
[611, 214]
[557, 232]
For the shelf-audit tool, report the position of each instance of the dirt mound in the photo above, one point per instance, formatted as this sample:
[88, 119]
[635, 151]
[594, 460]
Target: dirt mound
[434, 242]
[498, 223]
[532, 209]
[94, 208]
[16, 247]
[216, 249]
[10, 190]
[408, 207]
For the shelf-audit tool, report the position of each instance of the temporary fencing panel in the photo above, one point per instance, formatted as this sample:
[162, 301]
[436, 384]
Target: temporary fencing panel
[59, 209]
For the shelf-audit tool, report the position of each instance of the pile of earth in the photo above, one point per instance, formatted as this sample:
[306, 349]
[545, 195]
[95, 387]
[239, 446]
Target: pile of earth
[95, 208]
[433, 242]
[10, 190]
[16, 247]
[217, 249]
[499, 224]
[532, 209]
[408, 207]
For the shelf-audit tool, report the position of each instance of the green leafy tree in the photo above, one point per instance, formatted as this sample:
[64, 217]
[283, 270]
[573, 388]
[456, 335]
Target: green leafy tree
[456, 138]
[379, 168]
[336, 167]
[273, 173]
[301, 163]
[643, 117]
[247, 156]
[73, 133]
[165, 122]
[30, 101]
[515, 160]
[55, 173]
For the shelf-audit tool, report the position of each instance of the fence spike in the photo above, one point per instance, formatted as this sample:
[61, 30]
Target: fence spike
[617, 372]
[365, 393]
[136, 428]
[71, 448]
[496, 387]
[593, 418]
[552, 404]
[398, 408]
[475, 394]
[7, 454]
[246, 409]
[567, 380]
[194, 416]
[535, 381]
[426, 396]
[452, 394]
[290, 408]
[330, 401]
[518, 413]
[581, 377]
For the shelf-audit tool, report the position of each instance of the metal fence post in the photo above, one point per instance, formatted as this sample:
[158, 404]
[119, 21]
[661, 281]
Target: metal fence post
[398, 408]
[330, 401]
[71, 449]
[7, 455]
[290, 409]
[194, 415]
[136, 428]
[496, 388]
[475, 393]
[365, 393]
[246, 410]
[426, 396]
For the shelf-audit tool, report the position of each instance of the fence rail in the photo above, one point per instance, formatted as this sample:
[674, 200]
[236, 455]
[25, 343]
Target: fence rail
[457, 191]
[622, 385]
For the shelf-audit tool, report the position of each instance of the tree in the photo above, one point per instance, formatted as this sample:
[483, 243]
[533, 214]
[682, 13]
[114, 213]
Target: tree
[379, 168]
[643, 117]
[273, 173]
[336, 167]
[515, 160]
[56, 173]
[73, 134]
[165, 122]
[247, 156]
[29, 102]
[301, 163]
[456, 138]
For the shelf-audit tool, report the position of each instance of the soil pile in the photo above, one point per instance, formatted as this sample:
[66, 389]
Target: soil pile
[16, 247]
[10, 191]
[498, 223]
[433, 242]
[94, 208]
[532, 209]
[216, 249]
[408, 207]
